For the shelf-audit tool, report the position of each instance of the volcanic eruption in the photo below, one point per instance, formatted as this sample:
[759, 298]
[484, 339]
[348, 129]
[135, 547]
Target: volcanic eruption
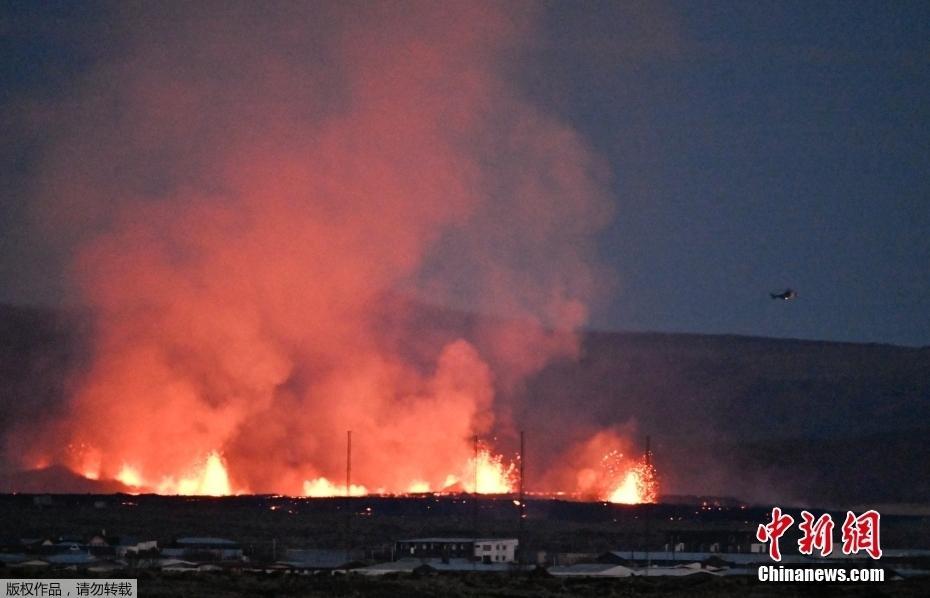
[255, 198]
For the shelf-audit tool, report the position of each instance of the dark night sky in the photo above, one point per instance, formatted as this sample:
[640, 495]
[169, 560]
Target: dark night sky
[755, 146]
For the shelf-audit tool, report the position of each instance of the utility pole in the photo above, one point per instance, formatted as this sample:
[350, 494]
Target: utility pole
[474, 505]
[476, 464]
[348, 495]
[521, 546]
[648, 507]
[348, 463]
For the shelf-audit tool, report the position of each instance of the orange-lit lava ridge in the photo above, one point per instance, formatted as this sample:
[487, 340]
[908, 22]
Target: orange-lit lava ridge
[637, 485]
[626, 483]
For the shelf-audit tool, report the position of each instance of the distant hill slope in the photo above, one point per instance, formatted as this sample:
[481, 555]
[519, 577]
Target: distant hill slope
[763, 419]
[39, 349]
[57, 480]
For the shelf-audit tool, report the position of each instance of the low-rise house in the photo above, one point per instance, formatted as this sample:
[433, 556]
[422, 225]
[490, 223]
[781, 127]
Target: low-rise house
[177, 565]
[29, 564]
[405, 565]
[640, 558]
[459, 565]
[71, 558]
[70, 539]
[319, 559]
[678, 570]
[131, 547]
[486, 550]
[105, 566]
[711, 540]
[204, 549]
[12, 558]
[434, 565]
[590, 570]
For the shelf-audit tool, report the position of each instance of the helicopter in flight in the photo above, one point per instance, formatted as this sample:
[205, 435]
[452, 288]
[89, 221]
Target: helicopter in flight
[787, 295]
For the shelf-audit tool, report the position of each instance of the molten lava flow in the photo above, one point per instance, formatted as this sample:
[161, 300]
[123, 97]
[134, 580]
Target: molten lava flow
[91, 473]
[321, 487]
[129, 476]
[604, 470]
[87, 461]
[492, 475]
[212, 480]
[207, 479]
[637, 485]
[418, 487]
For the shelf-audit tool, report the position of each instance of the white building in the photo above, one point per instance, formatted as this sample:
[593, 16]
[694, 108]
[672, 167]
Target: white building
[484, 550]
[496, 550]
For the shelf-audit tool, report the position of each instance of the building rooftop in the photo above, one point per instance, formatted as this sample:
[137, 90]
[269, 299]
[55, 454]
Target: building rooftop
[735, 558]
[591, 570]
[316, 558]
[409, 565]
[207, 540]
[456, 540]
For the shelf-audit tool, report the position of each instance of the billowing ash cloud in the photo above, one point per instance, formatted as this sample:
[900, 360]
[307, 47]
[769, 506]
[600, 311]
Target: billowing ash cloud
[248, 189]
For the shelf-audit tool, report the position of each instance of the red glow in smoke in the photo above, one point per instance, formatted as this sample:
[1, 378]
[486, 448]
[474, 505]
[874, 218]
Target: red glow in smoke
[270, 179]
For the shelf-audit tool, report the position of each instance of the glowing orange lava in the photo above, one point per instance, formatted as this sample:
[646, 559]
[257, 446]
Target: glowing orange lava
[494, 476]
[636, 484]
[208, 478]
[418, 487]
[618, 479]
[321, 487]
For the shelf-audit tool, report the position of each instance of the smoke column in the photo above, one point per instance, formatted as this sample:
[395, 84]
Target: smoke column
[246, 190]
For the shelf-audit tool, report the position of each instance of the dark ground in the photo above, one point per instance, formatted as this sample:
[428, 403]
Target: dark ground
[377, 522]
[552, 526]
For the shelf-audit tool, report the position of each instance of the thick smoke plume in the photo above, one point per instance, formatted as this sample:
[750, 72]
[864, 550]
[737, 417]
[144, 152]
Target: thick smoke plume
[250, 189]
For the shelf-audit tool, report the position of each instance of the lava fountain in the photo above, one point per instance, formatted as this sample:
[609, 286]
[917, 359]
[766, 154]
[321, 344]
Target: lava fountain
[208, 478]
[637, 485]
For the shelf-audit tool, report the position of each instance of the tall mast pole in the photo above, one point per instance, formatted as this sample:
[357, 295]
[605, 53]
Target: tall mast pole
[522, 512]
[348, 495]
[474, 506]
[348, 463]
